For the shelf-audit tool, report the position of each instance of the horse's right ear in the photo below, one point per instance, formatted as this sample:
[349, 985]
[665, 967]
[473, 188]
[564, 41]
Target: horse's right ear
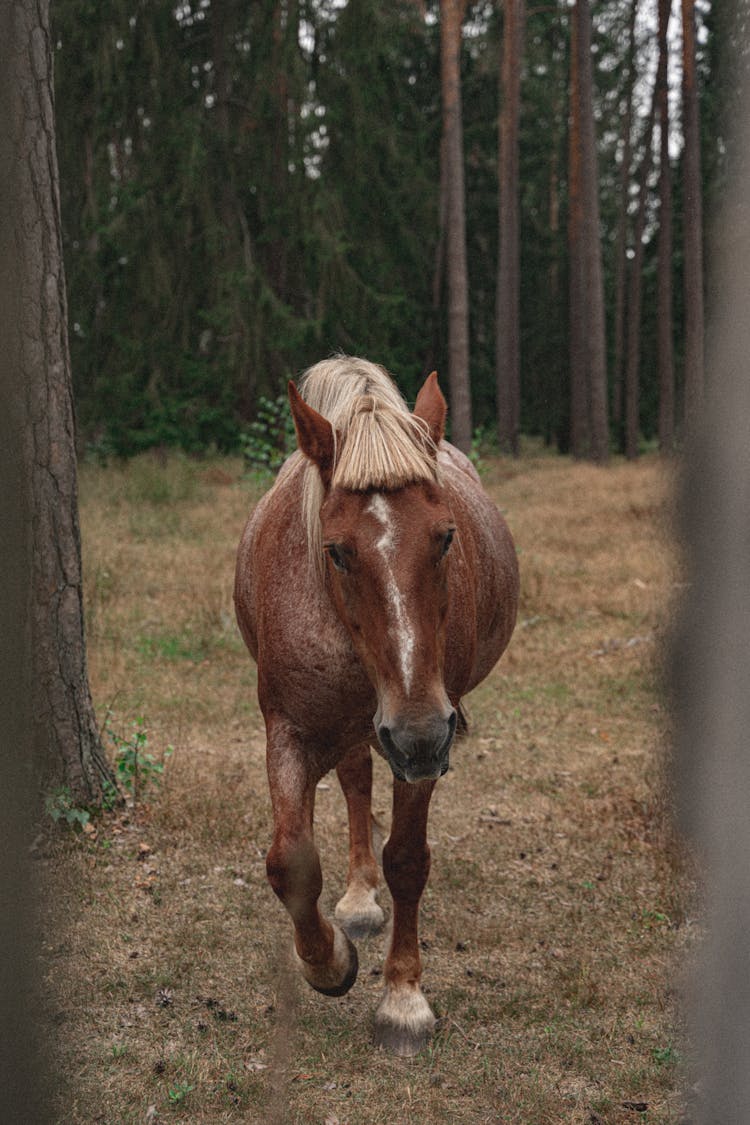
[314, 434]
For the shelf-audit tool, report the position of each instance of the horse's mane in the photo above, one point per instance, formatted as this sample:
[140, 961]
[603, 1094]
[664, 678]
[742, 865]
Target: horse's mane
[379, 443]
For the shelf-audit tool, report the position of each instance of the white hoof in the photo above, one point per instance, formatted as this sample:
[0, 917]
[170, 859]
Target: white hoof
[404, 1022]
[358, 913]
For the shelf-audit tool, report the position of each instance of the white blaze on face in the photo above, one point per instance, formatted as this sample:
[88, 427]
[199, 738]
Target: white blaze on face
[378, 507]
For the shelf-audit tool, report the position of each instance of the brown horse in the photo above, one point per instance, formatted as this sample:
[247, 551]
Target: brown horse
[376, 584]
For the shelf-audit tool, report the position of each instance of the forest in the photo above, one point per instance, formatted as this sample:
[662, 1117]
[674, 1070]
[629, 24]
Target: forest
[516, 194]
[523, 196]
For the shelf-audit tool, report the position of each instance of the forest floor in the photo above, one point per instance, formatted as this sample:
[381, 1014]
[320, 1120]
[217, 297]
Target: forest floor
[557, 919]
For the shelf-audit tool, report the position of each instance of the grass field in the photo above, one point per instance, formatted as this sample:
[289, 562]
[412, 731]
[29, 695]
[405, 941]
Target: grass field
[554, 919]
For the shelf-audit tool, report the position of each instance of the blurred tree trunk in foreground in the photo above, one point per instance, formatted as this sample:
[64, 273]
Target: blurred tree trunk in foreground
[67, 745]
[710, 662]
[452, 152]
[507, 318]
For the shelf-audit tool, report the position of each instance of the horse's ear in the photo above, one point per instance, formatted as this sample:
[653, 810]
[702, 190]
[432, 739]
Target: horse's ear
[431, 407]
[314, 434]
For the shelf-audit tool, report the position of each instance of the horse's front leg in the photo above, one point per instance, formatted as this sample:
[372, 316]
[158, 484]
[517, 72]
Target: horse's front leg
[404, 1022]
[357, 911]
[326, 957]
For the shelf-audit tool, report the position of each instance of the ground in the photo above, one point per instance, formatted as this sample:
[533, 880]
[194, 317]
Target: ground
[556, 913]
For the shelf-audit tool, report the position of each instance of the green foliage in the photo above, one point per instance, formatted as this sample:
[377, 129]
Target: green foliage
[59, 806]
[270, 438]
[177, 1093]
[136, 769]
[243, 194]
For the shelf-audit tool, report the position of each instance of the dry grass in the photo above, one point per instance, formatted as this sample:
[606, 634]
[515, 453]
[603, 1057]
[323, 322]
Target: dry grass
[553, 916]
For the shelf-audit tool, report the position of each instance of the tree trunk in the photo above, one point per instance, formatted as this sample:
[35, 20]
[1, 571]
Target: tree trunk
[622, 227]
[451, 17]
[692, 221]
[635, 292]
[709, 665]
[665, 350]
[65, 735]
[508, 329]
[579, 329]
[592, 253]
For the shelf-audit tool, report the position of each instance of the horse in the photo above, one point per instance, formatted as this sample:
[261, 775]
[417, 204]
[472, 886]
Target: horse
[376, 584]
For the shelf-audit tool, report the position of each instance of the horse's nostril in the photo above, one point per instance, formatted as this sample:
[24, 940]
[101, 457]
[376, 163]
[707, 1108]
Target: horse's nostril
[384, 735]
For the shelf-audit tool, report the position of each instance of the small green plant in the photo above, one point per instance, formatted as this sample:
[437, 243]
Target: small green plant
[59, 805]
[136, 769]
[270, 438]
[179, 1092]
[666, 1056]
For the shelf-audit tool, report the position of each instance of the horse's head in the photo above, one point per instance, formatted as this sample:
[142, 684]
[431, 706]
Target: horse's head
[387, 556]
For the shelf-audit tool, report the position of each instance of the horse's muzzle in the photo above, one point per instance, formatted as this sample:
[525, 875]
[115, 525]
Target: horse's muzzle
[418, 752]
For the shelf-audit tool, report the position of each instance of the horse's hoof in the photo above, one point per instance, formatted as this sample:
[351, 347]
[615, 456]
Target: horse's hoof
[358, 913]
[404, 1022]
[338, 977]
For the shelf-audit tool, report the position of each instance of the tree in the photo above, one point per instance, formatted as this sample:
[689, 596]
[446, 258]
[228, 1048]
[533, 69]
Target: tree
[635, 292]
[621, 244]
[692, 220]
[66, 738]
[451, 18]
[589, 422]
[664, 329]
[508, 327]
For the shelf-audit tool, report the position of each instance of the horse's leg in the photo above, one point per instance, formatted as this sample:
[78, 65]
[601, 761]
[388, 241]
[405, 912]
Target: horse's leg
[404, 1021]
[358, 912]
[326, 957]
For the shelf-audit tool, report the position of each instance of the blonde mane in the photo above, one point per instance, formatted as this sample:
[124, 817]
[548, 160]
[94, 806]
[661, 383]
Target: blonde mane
[380, 444]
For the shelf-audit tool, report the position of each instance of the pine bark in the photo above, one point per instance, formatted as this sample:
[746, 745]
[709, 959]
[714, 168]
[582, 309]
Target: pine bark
[692, 221]
[665, 347]
[587, 286]
[66, 739]
[621, 237]
[508, 328]
[635, 295]
[451, 18]
[579, 415]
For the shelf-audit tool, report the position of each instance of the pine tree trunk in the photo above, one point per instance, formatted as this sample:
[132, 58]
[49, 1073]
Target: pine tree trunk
[592, 254]
[508, 329]
[66, 739]
[665, 349]
[692, 221]
[622, 228]
[635, 293]
[579, 329]
[451, 17]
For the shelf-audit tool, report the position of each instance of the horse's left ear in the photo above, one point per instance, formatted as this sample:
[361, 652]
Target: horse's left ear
[431, 407]
[314, 434]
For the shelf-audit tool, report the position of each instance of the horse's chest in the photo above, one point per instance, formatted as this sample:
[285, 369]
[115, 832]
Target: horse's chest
[309, 670]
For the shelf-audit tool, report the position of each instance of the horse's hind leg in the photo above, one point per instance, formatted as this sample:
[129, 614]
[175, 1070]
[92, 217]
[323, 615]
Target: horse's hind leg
[404, 1022]
[358, 912]
[325, 955]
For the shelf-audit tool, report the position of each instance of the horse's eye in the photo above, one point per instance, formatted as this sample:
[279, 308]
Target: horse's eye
[447, 540]
[336, 555]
